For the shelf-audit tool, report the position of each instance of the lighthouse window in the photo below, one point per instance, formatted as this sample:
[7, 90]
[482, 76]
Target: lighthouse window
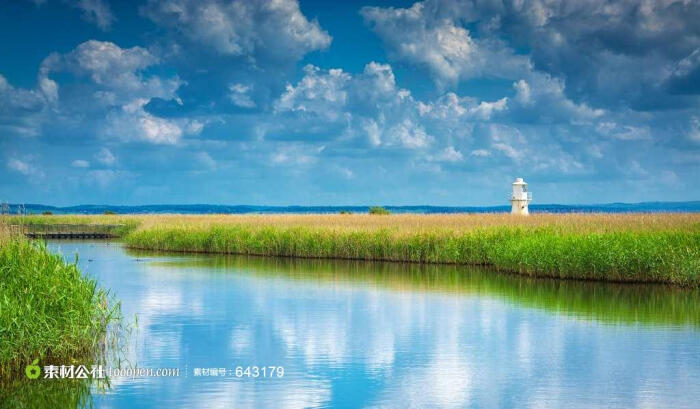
[524, 188]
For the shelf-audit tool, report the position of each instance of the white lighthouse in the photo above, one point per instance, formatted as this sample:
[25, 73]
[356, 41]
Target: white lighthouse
[520, 198]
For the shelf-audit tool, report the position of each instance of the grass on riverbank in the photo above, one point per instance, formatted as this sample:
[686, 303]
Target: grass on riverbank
[48, 309]
[617, 256]
[615, 247]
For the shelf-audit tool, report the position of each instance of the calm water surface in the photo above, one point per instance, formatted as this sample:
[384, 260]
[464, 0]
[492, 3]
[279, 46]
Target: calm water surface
[355, 335]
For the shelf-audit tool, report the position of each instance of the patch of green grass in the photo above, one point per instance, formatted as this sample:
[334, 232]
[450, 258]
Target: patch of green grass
[654, 256]
[48, 309]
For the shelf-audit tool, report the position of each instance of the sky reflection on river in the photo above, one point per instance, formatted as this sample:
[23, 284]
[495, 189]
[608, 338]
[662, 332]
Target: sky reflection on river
[375, 335]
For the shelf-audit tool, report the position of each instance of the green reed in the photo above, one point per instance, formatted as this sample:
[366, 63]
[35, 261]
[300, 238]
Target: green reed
[48, 309]
[671, 256]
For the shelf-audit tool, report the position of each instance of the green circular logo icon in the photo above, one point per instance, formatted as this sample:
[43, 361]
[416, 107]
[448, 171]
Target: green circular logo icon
[33, 371]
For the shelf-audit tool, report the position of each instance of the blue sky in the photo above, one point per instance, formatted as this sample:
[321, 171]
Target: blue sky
[342, 103]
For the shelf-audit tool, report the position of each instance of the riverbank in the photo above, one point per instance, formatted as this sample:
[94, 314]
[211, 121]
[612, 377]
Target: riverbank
[48, 310]
[610, 247]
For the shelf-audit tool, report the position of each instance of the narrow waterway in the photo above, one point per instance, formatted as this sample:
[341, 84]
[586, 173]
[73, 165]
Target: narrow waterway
[354, 335]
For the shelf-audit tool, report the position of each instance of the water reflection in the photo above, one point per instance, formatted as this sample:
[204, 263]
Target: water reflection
[353, 334]
[608, 302]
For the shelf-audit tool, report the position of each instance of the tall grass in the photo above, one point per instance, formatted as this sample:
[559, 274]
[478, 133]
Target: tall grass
[616, 247]
[48, 309]
[658, 248]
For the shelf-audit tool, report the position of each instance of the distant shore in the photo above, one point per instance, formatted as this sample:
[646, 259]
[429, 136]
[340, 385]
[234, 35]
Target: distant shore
[642, 207]
[658, 247]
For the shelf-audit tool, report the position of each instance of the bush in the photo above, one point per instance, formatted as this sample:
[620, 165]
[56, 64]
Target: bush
[378, 210]
[47, 213]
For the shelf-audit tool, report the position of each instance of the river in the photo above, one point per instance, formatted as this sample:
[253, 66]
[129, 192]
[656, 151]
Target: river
[356, 334]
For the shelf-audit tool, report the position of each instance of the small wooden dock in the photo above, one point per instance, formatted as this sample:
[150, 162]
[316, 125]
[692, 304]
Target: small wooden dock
[69, 235]
[68, 231]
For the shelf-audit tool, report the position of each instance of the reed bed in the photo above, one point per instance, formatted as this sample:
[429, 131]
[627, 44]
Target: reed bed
[627, 247]
[410, 223]
[48, 309]
[616, 247]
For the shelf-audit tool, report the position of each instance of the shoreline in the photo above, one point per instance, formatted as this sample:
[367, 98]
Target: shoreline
[639, 248]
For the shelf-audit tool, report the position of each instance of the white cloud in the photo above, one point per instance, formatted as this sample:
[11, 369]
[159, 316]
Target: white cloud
[409, 135]
[522, 92]
[451, 106]
[120, 93]
[105, 157]
[133, 123]
[373, 132]
[25, 167]
[21, 110]
[449, 154]
[623, 132]
[541, 98]
[417, 35]
[371, 105]
[19, 166]
[296, 154]
[116, 71]
[508, 150]
[205, 160]
[80, 163]
[268, 28]
[322, 93]
[96, 11]
[480, 153]
[240, 95]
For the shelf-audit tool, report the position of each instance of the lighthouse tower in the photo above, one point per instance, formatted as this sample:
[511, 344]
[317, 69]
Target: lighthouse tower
[520, 198]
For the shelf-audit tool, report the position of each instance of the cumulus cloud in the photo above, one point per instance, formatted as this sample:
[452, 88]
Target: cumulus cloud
[372, 105]
[133, 123]
[603, 50]
[542, 98]
[119, 91]
[418, 35]
[116, 72]
[269, 29]
[545, 88]
[322, 93]
[451, 106]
